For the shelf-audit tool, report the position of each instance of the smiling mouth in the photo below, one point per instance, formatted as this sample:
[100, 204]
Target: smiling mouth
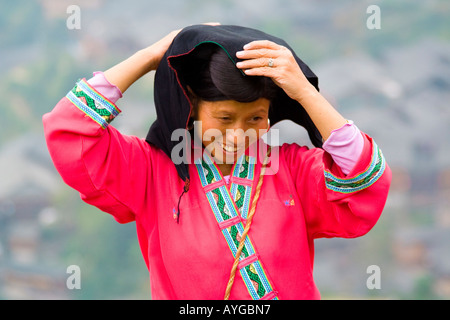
[229, 149]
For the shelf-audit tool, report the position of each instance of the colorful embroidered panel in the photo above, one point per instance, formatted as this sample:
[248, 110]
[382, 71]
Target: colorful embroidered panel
[244, 169]
[228, 206]
[93, 104]
[361, 181]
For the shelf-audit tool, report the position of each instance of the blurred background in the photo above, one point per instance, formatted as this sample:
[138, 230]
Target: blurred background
[393, 82]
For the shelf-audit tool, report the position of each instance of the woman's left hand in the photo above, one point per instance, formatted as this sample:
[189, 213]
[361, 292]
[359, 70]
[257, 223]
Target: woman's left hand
[268, 59]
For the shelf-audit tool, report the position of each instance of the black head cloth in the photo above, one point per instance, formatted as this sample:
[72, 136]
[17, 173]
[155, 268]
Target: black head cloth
[172, 104]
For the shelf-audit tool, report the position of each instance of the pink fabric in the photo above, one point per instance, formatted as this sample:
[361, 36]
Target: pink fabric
[102, 85]
[133, 181]
[345, 146]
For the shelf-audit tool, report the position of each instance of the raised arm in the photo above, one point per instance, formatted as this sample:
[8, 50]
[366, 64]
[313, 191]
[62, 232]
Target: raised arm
[337, 203]
[124, 74]
[268, 59]
[343, 140]
[110, 170]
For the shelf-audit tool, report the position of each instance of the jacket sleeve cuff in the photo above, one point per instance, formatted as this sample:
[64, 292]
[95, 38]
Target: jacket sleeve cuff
[369, 168]
[345, 146]
[93, 103]
[103, 86]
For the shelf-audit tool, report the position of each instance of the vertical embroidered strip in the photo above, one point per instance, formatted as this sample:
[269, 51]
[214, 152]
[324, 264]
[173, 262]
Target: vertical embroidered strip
[228, 208]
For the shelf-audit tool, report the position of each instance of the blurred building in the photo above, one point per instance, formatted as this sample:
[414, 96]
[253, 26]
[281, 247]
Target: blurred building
[28, 268]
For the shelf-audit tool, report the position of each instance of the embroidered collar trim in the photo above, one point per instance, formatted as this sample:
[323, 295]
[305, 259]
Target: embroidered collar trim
[230, 208]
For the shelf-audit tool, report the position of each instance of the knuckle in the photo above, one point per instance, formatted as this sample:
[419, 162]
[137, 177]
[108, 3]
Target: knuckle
[262, 52]
[262, 62]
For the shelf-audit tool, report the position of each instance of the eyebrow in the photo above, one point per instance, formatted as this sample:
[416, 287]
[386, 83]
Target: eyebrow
[223, 112]
[261, 110]
[228, 112]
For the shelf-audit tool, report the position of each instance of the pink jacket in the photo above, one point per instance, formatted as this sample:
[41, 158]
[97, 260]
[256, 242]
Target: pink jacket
[309, 197]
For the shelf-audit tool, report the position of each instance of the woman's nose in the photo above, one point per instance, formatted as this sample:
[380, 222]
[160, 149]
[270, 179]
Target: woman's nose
[238, 136]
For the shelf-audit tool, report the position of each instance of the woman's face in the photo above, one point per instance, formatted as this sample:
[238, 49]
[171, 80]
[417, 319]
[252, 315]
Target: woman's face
[229, 127]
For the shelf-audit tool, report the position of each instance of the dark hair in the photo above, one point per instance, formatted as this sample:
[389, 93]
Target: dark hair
[217, 78]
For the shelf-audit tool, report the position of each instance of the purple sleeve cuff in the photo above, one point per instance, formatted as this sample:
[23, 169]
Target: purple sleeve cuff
[102, 85]
[345, 146]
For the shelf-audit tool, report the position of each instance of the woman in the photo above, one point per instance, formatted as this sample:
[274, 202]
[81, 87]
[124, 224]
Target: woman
[192, 216]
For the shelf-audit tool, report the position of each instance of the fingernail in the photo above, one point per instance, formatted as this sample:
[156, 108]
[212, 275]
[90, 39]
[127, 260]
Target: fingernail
[239, 64]
[239, 53]
[247, 46]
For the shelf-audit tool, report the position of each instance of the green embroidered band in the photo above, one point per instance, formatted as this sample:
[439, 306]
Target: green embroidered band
[226, 206]
[92, 103]
[363, 180]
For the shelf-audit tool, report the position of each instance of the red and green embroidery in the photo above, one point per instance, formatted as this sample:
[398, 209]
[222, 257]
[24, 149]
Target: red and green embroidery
[227, 206]
[363, 180]
[93, 104]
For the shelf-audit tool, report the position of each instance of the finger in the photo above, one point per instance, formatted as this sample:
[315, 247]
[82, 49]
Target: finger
[258, 53]
[262, 71]
[261, 44]
[211, 24]
[257, 63]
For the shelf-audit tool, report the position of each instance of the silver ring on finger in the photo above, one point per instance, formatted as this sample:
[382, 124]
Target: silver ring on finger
[270, 64]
